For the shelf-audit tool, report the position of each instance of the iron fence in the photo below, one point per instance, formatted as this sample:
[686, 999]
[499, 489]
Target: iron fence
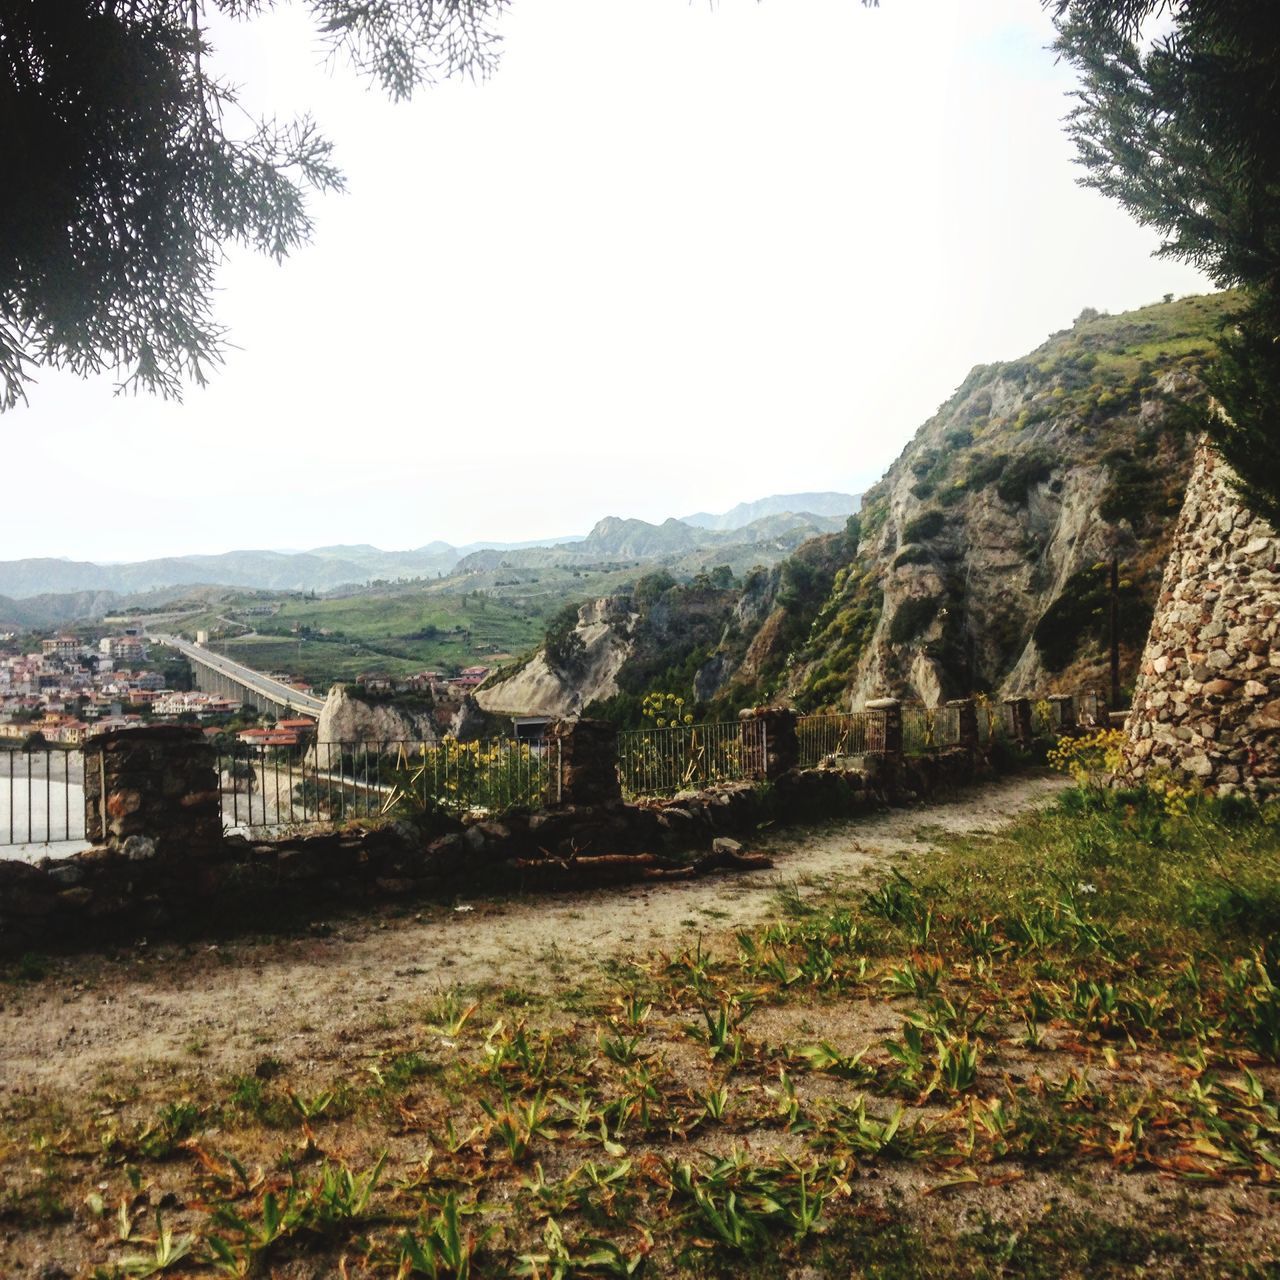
[993, 722]
[42, 788]
[831, 737]
[662, 761]
[340, 781]
[927, 729]
[41, 796]
[1042, 720]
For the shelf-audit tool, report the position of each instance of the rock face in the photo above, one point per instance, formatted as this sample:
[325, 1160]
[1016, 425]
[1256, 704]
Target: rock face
[983, 556]
[1207, 702]
[605, 629]
[345, 718]
[981, 582]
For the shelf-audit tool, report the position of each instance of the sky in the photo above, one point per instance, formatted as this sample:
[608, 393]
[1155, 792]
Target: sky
[673, 256]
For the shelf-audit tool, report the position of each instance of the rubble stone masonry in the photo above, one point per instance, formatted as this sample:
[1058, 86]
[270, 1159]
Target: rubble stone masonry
[1206, 705]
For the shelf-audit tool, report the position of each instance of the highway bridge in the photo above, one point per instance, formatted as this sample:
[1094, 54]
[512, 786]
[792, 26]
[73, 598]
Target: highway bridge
[217, 674]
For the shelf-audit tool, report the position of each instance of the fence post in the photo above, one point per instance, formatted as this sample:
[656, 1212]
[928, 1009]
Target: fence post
[1018, 719]
[152, 791]
[585, 752]
[1064, 712]
[966, 723]
[890, 710]
[781, 742]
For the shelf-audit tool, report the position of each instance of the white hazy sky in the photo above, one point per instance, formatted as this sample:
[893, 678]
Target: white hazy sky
[672, 257]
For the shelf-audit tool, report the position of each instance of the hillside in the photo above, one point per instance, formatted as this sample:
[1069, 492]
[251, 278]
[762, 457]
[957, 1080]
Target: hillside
[978, 563]
[982, 553]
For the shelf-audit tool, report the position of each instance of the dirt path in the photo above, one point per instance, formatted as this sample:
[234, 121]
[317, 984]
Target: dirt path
[335, 996]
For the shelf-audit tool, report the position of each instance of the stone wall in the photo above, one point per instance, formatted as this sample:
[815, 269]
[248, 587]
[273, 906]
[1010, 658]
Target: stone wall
[1206, 705]
[107, 895]
[152, 792]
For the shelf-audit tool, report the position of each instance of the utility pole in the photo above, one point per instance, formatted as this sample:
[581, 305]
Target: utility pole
[1115, 633]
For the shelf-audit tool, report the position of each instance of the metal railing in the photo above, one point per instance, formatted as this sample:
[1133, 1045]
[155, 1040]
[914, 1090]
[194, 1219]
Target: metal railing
[42, 788]
[926, 729]
[1042, 721]
[662, 761]
[835, 736]
[332, 782]
[993, 722]
[41, 797]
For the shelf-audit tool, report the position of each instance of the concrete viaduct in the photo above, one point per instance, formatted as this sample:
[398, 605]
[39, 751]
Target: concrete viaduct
[217, 674]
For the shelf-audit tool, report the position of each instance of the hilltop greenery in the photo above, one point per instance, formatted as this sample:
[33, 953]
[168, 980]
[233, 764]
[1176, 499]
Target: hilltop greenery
[394, 633]
[679, 626]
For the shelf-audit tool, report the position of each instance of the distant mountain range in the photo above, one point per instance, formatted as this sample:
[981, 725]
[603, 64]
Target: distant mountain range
[746, 513]
[670, 543]
[328, 568]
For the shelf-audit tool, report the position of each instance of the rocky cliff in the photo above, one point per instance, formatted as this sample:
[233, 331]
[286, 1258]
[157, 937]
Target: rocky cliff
[982, 555]
[980, 562]
[348, 718]
[599, 644]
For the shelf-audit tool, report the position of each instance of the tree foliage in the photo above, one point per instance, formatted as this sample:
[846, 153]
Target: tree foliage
[1183, 130]
[563, 646]
[128, 167]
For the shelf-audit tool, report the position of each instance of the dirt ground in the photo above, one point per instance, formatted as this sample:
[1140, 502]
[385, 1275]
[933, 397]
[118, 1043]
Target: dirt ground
[329, 994]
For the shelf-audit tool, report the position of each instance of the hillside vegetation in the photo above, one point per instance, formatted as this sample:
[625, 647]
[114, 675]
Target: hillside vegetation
[983, 551]
[980, 562]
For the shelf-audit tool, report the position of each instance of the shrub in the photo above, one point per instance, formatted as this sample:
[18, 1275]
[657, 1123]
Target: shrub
[914, 554]
[651, 588]
[1133, 492]
[928, 524]
[1020, 474]
[1082, 612]
[564, 648]
[913, 616]
[984, 468]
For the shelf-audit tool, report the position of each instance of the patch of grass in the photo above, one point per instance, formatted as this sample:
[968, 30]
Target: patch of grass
[29, 967]
[1093, 987]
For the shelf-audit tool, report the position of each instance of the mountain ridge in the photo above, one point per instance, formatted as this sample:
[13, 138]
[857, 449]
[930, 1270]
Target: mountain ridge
[828, 504]
[333, 566]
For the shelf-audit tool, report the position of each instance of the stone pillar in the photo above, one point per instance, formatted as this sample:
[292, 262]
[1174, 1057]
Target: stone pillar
[1062, 712]
[152, 791]
[781, 745]
[891, 711]
[588, 761]
[966, 713]
[1206, 705]
[1018, 720]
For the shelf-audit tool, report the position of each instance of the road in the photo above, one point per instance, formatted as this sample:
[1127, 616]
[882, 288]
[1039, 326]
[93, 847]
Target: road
[276, 690]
